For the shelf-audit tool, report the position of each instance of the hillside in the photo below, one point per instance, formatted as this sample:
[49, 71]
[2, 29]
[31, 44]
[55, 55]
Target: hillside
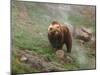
[30, 44]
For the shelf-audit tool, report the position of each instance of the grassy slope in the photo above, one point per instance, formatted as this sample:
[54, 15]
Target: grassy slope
[29, 31]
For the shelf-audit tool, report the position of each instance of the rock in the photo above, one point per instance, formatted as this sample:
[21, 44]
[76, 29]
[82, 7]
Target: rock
[83, 33]
[37, 61]
[69, 59]
[88, 31]
[64, 58]
[92, 43]
[23, 58]
[52, 67]
[60, 54]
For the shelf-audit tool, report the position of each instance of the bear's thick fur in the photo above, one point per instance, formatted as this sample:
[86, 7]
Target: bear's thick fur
[59, 35]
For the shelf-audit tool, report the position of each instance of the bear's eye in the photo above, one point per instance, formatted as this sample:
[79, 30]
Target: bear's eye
[57, 26]
[50, 28]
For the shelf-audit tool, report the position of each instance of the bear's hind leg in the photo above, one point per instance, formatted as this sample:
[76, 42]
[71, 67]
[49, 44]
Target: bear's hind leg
[68, 46]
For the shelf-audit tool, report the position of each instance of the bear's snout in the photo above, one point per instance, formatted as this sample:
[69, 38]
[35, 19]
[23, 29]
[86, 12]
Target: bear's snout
[53, 31]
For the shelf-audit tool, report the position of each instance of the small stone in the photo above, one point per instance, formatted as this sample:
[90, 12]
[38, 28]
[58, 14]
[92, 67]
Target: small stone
[60, 54]
[23, 58]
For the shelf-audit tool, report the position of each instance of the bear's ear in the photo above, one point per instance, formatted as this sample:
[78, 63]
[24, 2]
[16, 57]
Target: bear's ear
[50, 26]
[55, 22]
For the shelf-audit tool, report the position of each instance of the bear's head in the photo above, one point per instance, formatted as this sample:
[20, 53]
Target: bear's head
[55, 28]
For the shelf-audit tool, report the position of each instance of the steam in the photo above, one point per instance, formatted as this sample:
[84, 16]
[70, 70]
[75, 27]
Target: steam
[79, 53]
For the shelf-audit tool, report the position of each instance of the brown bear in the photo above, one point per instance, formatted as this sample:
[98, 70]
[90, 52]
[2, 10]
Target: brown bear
[59, 35]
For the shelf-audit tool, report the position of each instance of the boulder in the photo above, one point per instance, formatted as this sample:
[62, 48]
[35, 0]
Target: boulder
[83, 33]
